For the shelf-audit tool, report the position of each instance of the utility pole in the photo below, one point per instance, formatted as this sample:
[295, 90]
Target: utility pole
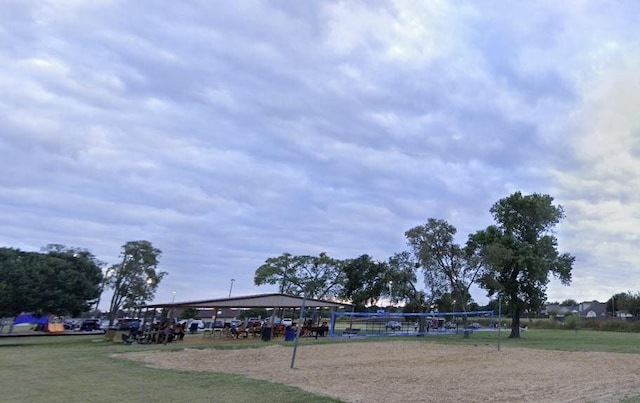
[231, 287]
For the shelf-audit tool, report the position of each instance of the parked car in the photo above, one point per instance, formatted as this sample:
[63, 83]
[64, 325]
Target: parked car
[254, 322]
[276, 321]
[70, 324]
[393, 325]
[199, 323]
[287, 322]
[89, 325]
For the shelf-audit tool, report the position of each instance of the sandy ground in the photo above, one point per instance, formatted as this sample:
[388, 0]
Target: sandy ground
[407, 371]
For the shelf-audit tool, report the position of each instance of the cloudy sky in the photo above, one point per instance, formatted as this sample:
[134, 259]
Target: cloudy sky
[228, 132]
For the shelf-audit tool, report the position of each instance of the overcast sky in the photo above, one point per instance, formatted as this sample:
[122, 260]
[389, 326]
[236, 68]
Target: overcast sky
[228, 132]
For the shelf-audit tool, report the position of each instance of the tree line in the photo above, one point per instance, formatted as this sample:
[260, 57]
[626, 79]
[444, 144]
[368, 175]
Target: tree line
[513, 259]
[69, 281]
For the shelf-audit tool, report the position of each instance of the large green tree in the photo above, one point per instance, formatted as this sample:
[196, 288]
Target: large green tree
[365, 281]
[316, 276]
[135, 279]
[405, 284]
[433, 245]
[520, 252]
[60, 280]
[624, 302]
[277, 270]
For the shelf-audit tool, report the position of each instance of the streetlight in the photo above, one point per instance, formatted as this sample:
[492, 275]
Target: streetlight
[454, 312]
[107, 274]
[173, 298]
[613, 309]
[231, 287]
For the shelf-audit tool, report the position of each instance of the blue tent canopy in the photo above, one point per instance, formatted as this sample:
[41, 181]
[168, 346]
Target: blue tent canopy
[31, 318]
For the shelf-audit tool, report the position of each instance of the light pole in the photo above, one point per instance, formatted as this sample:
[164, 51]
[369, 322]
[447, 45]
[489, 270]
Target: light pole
[613, 309]
[454, 313]
[107, 274]
[231, 287]
[173, 298]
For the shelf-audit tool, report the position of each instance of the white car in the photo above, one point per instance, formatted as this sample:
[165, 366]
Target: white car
[198, 321]
[287, 322]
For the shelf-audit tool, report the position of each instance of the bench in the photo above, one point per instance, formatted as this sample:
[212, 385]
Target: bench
[321, 331]
[351, 331]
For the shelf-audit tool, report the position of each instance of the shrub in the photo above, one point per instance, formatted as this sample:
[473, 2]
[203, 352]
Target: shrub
[572, 322]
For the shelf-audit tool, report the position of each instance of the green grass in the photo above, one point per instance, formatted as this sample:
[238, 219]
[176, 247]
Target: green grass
[78, 369]
[81, 368]
[564, 340]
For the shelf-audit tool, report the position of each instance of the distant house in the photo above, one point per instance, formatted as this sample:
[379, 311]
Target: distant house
[592, 309]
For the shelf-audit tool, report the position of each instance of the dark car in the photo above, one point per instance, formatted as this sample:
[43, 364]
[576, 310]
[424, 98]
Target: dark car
[89, 325]
[70, 324]
[393, 325]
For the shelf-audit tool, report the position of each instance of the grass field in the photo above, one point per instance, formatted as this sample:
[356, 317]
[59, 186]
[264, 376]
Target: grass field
[82, 369]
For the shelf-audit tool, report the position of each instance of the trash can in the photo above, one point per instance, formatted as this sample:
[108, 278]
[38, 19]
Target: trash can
[289, 334]
[266, 333]
[110, 334]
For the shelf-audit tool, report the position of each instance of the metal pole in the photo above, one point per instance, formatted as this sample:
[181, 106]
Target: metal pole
[300, 319]
[613, 309]
[499, 320]
[95, 312]
[102, 284]
[173, 298]
[231, 287]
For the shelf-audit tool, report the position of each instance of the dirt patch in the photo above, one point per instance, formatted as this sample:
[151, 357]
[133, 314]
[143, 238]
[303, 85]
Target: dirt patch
[407, 371]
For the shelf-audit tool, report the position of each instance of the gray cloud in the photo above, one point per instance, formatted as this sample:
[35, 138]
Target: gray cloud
[228, 133]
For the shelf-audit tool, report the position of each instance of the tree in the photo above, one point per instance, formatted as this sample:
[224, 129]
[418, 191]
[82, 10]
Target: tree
[135, 279]
[519, 253]
[365, 280]
[633, 307]
[443, 260]
[276, 270]
[569, 302]
[403, 278]
[189, 313]
[76, 275]
[316, 276]
[61, 281]
[624, 302]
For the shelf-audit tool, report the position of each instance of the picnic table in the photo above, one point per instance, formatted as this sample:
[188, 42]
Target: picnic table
[315, 331]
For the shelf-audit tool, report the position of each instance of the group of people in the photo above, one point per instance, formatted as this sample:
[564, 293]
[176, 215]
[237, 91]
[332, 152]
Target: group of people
[157, 332]
[241, 331]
